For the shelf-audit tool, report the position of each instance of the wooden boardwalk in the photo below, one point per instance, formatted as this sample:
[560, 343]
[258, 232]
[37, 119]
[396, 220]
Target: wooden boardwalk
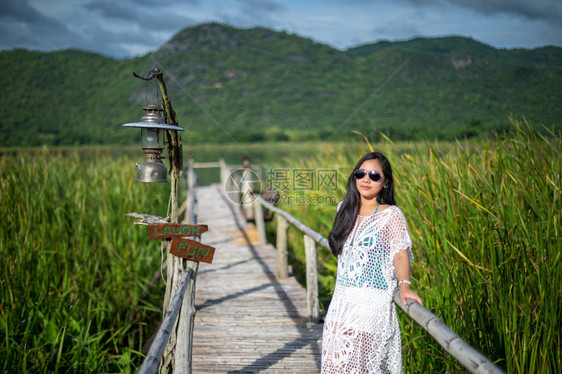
[247, 320]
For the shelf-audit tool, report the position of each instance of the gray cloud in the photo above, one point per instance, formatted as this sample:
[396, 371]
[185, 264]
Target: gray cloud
[22, 25]
[146, 18]
[262, 5]
[21, 14]
[21, 11]
[157, 3]
[550, 10]
[393, 32]
[251, 12]
[112, 9]
[128, 27]
[26, 27]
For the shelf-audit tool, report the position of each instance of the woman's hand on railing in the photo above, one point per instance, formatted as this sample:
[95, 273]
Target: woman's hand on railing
[407, 293]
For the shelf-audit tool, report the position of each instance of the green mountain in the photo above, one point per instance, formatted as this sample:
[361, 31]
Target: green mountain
[228, 84]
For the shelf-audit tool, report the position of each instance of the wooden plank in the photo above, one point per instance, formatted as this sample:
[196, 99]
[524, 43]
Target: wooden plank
[247, 319]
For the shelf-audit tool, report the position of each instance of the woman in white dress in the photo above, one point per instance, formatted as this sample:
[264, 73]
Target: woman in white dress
[371, 241]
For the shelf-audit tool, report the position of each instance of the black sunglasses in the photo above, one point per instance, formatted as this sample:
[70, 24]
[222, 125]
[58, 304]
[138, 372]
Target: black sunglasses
[373, 174]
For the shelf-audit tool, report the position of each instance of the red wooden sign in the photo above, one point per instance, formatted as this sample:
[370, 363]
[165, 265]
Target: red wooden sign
[172, 230]
[192, 250]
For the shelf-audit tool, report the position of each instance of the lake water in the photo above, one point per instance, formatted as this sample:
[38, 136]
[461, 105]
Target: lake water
[264, 155]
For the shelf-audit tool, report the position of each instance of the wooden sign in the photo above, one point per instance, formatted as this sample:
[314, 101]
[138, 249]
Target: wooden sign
[192, 250]
[172, 230]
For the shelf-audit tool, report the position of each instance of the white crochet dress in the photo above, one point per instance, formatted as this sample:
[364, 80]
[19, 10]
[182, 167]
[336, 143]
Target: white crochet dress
[361, 331]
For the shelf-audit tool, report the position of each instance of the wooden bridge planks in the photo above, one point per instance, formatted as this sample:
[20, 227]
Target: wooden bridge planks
[247, 320]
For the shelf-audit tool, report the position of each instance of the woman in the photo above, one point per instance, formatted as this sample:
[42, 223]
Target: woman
[371, 241]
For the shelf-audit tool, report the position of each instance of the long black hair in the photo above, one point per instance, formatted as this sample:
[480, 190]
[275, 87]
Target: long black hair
[349, 209]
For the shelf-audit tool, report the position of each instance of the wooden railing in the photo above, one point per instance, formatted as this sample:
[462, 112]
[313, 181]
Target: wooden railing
[152, 360]
[469, 357]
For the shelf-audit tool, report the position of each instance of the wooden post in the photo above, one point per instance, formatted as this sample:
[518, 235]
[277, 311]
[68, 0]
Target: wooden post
[177, 353]
[228, 182]
[260, 222]
[451, 342]
[152, 361]
[311, 280]
[223, 173]
[282, 265]
[246, 190]
[184, 342]
[190, 215]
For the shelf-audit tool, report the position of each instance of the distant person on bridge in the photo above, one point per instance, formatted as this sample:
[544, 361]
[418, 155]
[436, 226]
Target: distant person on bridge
[370, 238]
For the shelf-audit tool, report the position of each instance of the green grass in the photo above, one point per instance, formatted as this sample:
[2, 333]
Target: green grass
[484, 219]
[73, 266]
[485, 224]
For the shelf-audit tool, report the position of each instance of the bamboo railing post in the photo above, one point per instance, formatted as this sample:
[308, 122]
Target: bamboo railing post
[260, 222]
[469, 357]
[281, 245]
[223, 173]
[228, 182]
[191, 216]
[311, 279]
[451, 342]
[246, 189]
[177, 353]
[184, 344]
[152, 361]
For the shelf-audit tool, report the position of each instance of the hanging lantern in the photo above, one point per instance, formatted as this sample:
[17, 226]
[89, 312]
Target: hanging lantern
[152, 143]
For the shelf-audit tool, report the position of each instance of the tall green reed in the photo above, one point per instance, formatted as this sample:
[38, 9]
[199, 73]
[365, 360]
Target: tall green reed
[73, 266]
[485, 224]
[491, 215]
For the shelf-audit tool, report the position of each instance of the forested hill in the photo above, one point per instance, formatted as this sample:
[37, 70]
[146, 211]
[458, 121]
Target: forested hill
[261, 85]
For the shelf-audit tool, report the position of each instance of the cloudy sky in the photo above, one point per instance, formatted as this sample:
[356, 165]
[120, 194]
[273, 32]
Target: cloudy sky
[124, 28]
